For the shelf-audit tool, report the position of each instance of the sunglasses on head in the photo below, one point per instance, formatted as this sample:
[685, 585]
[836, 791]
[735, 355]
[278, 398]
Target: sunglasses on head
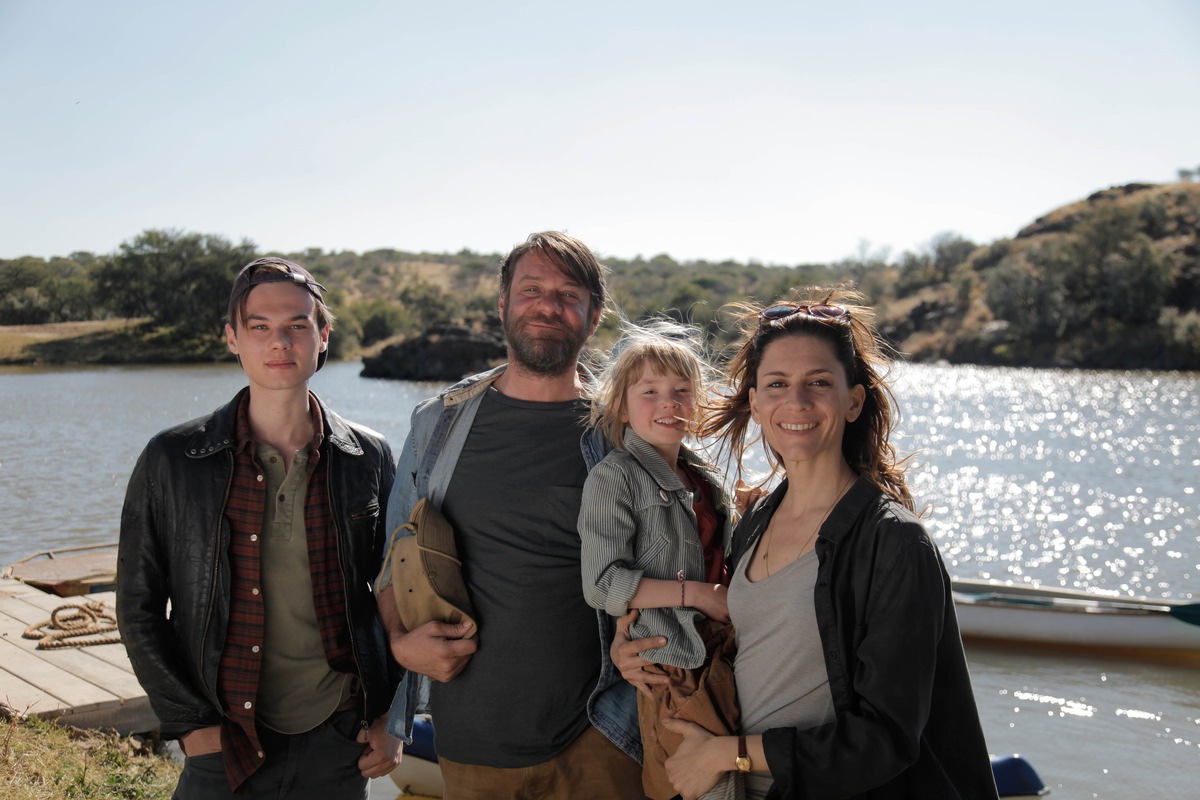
[819, 311]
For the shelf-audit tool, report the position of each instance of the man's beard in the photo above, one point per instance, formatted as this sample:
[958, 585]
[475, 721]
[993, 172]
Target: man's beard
[543, 355]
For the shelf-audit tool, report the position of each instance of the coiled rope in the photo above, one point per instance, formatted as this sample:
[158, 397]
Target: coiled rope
[67, 623]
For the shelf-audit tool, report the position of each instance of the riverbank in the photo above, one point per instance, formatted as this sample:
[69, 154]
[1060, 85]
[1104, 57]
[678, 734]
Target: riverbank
[42, 760]
[107, 341]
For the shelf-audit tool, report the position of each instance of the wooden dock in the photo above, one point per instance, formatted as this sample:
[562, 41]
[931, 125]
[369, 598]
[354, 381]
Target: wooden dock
[88, 687]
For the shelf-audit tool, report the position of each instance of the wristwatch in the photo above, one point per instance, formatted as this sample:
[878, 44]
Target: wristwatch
[742, 762]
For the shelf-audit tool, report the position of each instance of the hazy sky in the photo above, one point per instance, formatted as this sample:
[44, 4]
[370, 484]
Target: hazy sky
[784, 132]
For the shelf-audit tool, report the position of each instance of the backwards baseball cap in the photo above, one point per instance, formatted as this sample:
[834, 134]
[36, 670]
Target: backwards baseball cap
[274, 270]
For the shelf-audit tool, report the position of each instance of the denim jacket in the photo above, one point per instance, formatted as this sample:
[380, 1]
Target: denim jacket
[636, 521]
[439, 430]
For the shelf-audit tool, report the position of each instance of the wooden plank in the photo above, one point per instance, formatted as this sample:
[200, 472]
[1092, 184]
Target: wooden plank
[24, 697]
[81, 662]
[67, 690]
[58, 683]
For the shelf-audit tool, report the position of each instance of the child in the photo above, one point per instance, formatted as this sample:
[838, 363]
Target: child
[655, 525]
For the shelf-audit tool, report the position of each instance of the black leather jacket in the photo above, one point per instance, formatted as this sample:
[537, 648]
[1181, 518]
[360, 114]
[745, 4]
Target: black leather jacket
[174, 548]
[907, 724]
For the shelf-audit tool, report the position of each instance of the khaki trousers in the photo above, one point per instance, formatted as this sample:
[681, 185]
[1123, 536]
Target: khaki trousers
[590, 768]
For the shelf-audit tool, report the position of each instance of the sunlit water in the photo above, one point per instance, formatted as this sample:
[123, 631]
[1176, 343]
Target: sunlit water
[1079, 479]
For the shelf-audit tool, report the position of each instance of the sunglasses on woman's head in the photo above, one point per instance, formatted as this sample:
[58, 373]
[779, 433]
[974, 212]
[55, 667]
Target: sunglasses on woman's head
[820, 311]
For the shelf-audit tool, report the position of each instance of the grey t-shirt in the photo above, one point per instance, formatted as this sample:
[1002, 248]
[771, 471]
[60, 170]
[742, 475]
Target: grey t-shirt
[780, 665]
[514, 501]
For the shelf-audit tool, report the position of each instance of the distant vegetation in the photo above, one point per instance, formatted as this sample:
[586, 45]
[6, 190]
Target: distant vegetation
[1112, 281]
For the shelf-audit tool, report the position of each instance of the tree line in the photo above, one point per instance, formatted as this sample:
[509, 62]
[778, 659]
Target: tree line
[1110, 281]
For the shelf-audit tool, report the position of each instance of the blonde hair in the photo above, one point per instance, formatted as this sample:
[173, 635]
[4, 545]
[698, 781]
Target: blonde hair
[664, 346]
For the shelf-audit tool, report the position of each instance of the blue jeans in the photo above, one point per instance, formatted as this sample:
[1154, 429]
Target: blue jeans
[321, 764]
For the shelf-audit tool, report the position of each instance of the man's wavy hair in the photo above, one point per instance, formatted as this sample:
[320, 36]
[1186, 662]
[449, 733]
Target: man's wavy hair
[571, 255]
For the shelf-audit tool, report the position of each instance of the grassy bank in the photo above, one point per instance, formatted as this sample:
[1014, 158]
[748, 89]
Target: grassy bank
[111, 341]
[43, 761]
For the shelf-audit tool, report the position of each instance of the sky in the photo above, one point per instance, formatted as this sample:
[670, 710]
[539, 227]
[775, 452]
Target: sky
[777, 132]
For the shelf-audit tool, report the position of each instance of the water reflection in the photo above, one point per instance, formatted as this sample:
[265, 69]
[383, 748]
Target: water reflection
[1117, 728]
[1079, 479]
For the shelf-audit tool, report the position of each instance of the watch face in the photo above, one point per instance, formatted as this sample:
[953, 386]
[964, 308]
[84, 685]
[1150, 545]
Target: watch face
[742, 763]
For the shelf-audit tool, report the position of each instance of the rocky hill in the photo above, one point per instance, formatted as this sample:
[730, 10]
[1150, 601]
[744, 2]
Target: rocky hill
[1110, 281]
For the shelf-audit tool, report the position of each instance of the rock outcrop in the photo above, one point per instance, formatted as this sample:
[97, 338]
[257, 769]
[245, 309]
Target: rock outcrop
[442, 353]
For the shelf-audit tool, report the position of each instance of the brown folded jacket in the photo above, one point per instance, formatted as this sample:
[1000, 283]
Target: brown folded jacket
[706, 696]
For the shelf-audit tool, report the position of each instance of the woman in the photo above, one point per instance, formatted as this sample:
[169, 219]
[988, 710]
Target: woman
[850, 670]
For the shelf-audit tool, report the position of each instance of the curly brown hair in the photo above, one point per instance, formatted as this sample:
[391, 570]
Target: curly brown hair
[866, 357]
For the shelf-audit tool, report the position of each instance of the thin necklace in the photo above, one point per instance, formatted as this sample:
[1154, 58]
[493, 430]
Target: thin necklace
[766, 549]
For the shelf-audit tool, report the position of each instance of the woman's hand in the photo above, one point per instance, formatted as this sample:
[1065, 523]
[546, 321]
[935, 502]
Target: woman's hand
[626, 655]
[694, 769]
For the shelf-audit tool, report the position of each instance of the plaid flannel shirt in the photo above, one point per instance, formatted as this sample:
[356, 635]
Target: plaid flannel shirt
[241, 658]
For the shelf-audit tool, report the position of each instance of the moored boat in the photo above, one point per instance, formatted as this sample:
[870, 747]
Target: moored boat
[1072, 619]
[68, 571]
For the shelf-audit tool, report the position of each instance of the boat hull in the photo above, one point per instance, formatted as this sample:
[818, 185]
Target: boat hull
[1063, 618]
[69, 572]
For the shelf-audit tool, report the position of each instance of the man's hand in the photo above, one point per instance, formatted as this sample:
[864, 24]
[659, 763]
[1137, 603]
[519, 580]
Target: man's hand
[692, 770]
[435, 649]
[383, 751]
[626, 655]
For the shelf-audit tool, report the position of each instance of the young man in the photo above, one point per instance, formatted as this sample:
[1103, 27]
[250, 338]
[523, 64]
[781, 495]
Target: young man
[261, 526]
[530, 707]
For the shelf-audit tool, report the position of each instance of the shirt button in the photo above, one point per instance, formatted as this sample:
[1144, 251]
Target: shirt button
[260, 754]
[249, 704]
[663, 494]
[254, 537]
[259, 478]
[254, 591]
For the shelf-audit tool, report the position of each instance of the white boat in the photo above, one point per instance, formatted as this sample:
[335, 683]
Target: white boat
[1065, 618]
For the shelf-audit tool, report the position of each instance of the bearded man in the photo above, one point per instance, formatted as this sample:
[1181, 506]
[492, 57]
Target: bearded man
[529, 706]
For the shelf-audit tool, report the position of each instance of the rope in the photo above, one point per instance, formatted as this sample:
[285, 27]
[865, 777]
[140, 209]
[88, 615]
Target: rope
[69, 622]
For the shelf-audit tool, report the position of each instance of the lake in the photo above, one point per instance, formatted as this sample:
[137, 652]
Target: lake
[1066, 478]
